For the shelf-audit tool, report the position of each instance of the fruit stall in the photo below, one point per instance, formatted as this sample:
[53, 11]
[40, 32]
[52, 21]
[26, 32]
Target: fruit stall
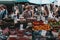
[47, 31]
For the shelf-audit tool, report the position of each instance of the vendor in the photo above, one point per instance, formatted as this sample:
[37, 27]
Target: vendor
[28, 13]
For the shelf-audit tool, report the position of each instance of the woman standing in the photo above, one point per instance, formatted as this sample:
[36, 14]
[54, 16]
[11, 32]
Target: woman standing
[46, 12]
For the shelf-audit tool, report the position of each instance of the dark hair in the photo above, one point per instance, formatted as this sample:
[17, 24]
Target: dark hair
[51, 7]
[56, 5]
[46, 8]
[4, 7]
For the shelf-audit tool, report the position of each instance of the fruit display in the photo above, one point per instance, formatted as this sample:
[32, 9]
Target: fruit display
[54, 23]
[40, 26]
[36, 23]
[51, 20]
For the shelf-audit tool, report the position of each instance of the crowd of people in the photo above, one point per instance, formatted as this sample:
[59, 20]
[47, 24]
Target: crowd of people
[42, 12]
[30, 11]
[37, 13]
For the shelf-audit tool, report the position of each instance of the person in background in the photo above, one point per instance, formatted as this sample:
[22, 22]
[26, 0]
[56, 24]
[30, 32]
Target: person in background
[0, 13]
[51, 7]
[4, 12]
[46, 12]
[56, 11]
[59, 11]
[28, 13]
[23, 7]
[11, 15]
[39, 10]
[35, 10]
[16, 11]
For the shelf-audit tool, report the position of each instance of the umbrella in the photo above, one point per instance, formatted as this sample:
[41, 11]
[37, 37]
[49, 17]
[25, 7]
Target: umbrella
[21, 1]
[58, 2]
[37, 1]
[41, 1]
[47, 1]
[6, 1]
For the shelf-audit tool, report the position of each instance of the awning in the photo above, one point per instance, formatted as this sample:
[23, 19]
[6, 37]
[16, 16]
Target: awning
[28, 1]
[7, 1]
[37, 1]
